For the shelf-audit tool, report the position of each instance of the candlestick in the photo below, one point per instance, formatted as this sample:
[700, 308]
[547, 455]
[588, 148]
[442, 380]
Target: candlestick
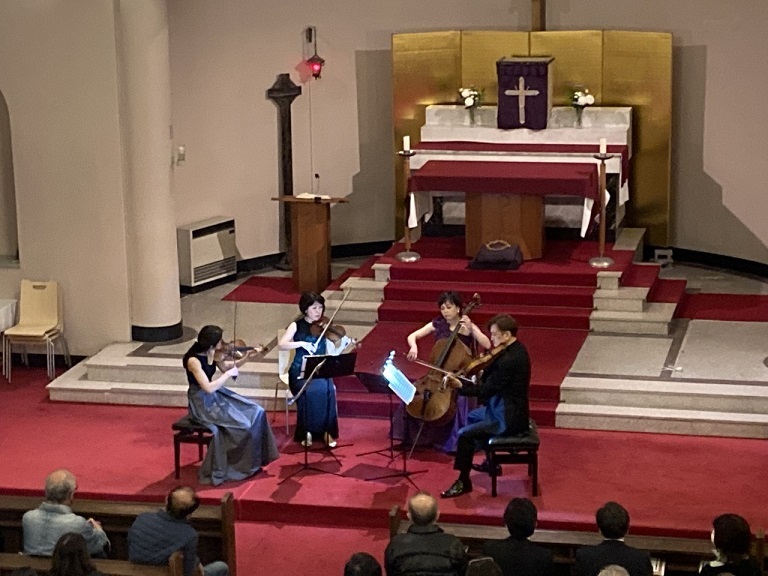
[406, 143]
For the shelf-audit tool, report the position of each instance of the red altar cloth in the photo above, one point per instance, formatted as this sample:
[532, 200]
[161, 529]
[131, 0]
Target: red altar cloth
[521, 178]
[463, 146]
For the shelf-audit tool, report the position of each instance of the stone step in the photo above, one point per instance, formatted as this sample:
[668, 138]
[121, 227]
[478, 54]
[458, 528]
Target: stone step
[76, 386]
[624, 299]
[358, 312]
[669, 394]
[655, 319]
[381, 272]
[360, 290]
[115, 364]
[662, 421]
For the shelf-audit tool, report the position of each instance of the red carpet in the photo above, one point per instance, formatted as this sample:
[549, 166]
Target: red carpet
[731, 307]
[672, 485]
[267, 289]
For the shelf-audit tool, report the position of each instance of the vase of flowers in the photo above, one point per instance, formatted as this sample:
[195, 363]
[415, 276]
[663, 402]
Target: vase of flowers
[580, 99]
[472, 98]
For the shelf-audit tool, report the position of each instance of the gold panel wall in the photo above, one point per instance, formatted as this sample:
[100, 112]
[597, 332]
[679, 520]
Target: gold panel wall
[578, 62]
[426, 70]
[619, 68]
[479, 52]
[638, 72]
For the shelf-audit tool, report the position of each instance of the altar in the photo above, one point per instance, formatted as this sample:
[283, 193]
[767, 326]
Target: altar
[448, 135]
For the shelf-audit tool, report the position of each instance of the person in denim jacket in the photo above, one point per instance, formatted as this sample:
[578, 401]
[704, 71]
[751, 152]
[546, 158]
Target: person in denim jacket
[53, 518]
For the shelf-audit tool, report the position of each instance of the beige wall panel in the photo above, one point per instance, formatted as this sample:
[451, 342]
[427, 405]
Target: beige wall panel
[638, 73]
[578, 61]
[426, 69]
[479, 52]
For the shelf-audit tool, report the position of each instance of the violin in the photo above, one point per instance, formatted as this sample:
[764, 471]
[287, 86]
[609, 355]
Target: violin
[481, 362]
[334, 332]
[435, 400]
[235, 350]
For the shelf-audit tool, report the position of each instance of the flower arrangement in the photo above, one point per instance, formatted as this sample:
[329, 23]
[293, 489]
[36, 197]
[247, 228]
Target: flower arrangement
[472, 99]
[580, 99]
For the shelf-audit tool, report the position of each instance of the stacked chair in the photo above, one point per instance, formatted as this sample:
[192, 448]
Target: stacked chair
[40, 322]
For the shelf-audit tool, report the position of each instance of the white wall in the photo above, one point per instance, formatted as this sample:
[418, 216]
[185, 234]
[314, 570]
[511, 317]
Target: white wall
[58, 76]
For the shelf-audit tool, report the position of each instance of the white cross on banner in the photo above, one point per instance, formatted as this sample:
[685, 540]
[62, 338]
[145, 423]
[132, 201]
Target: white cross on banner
[521, 92]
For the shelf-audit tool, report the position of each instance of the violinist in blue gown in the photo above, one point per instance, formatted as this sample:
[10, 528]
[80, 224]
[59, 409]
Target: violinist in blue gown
[317, 415]
[242, 439]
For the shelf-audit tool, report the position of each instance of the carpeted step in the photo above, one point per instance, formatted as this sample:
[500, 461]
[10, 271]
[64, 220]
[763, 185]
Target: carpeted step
[362, 405]
[543, 413]
[498, 294]
[670, 291]
[451, 270]
[530, 316]
[641, 275]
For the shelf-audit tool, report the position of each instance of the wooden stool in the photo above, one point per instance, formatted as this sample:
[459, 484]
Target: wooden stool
[189, 431]
[520, 449]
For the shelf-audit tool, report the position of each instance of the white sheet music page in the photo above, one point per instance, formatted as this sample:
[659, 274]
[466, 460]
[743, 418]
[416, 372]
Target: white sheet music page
[398, 383]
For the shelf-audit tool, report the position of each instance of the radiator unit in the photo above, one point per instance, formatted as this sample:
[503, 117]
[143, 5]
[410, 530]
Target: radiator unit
[207, 251]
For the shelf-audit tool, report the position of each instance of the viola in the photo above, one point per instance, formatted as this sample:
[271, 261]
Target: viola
[435, 400]
[482, 362]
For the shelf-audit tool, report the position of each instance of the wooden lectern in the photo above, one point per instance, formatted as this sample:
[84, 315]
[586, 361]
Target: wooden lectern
[310, 240]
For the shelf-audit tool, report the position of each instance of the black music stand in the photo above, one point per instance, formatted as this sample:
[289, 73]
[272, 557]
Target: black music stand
[393, 377]
[324, 366]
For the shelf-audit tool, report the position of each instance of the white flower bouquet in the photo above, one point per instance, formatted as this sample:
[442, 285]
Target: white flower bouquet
[580, 99]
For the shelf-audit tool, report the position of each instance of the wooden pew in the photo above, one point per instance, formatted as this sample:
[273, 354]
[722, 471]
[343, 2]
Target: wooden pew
[675, 554]
[10, 562]
[214, 524]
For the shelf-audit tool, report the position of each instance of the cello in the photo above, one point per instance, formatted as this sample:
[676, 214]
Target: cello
[435, 400]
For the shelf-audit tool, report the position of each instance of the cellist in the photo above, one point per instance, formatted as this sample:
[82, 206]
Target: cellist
[443, 437]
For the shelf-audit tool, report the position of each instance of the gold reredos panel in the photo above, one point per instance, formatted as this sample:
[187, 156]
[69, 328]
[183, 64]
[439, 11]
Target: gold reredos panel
[619, 68]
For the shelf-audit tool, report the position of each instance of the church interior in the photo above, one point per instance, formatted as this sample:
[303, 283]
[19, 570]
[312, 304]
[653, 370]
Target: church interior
[132, 129]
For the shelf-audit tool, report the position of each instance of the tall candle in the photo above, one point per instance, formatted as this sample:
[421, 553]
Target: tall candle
[406, 143]
[603, 146]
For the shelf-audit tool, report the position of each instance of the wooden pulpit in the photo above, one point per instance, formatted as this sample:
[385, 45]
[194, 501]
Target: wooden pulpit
[310, 240]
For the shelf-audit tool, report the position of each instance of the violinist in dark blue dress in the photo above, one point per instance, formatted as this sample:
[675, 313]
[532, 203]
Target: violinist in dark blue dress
[242, 439]
[317, 416]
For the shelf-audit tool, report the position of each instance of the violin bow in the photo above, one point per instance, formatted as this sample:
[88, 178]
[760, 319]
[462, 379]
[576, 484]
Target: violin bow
[330, 320]
[464, 379]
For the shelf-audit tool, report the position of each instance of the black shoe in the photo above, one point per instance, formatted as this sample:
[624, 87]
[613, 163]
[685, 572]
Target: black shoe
[485, 468]
[457, 489]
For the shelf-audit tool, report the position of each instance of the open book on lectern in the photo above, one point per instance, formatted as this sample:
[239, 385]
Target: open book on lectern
[332, 365]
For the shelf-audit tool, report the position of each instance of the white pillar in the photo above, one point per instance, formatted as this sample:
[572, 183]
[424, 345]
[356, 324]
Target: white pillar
[145, 124]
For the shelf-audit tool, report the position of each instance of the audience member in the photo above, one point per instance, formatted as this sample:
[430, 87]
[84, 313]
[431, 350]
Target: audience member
[425, 548]
[732, 538]
[613, 570]
[71, 558]
[483, 567]
[613, 522]
[155, 536]
[517, 555]
[362, 564]
[53, 518]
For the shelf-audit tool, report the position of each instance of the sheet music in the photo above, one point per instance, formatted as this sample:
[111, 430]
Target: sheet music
[398, 383]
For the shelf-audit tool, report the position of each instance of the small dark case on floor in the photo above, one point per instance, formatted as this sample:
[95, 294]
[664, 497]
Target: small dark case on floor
[497, 255]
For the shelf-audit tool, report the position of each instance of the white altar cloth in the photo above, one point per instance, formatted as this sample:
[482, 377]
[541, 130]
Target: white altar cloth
[451, 123]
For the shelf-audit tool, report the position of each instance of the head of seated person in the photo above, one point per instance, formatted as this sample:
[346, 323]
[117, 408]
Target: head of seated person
[181, 502]
[520, 518]
[362, 564]
[71, 557]
[613, 570]
[612, 521]
[422, 509]
[732, 537]
[60, 486]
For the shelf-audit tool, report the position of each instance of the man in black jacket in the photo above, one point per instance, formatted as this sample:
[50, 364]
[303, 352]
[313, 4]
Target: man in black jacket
[425, 549]
[517, 555]
[613, 522]
[504, 391]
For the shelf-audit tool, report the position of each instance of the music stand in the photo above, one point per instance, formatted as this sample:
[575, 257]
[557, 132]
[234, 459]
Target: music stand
[400, 386]
[323, 366]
